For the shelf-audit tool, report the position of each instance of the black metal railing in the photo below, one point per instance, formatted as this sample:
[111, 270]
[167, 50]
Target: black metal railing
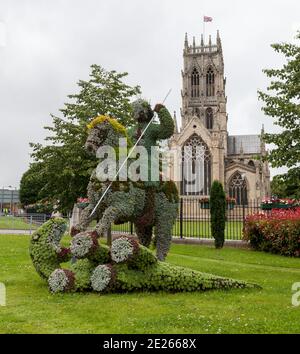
[193, 219]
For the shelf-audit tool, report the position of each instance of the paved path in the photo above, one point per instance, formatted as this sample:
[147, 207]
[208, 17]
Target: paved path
[188, 240]
[15, 232]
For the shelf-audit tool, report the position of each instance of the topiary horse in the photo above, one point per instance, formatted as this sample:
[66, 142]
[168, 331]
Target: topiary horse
[127, 201]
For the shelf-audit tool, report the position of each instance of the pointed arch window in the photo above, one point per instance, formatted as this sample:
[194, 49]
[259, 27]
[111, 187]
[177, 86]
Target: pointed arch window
[196, 167]
[210, 82]
[209, 119]
[195, 83]
[238, 189]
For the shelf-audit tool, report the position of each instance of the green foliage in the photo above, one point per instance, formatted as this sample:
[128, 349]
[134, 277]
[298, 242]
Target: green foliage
[137, 270]
[102, 255]
[236, 311]
[217, 212]
[165, 129]
[148, 204]
[275, 236]
[45, 249]
[31, 185]
[127, 250]
[83, 269]
[64, 165]
[170, 278]
[142, 272]
[282, 104]
[142, 259]
[170, 190]
[287, 185]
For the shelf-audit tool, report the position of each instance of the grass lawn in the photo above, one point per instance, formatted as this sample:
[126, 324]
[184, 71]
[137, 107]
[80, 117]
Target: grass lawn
[233, 229]
[15, 223]
[32, 309]
[196, 229]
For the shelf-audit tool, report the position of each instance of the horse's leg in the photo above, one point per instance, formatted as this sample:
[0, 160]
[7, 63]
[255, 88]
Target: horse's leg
[114, 212]
[163, 239]
[144, 234]
[85, 219]
[166, 213]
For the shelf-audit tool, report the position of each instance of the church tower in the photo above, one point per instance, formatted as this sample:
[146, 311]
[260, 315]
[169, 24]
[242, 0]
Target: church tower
[203, 84]
[203, 112]
[206, 151]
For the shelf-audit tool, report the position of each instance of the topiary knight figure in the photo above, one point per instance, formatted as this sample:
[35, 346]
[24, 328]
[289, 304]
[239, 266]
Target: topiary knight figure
[154, 133]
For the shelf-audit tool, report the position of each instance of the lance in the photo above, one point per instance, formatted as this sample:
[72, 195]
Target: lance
[124, 162]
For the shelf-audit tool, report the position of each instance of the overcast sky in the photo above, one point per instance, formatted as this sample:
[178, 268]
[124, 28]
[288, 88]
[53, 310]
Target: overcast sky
[47, 46]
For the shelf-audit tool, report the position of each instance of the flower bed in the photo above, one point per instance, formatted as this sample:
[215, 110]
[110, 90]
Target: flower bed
[277, 232]
[230, 202]
[204, 203]
[276, 203]
[82, 203]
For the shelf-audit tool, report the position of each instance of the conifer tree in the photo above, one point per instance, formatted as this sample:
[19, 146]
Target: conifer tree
[217, 213]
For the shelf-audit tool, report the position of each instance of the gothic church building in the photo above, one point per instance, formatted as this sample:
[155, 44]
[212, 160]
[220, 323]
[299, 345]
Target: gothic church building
[213, 154]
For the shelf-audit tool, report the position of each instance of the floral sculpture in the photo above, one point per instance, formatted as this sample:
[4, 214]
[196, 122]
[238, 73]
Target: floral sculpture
[124, 267]
[147, 204]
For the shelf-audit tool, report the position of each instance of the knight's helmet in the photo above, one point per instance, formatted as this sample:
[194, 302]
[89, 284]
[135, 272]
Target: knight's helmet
[142, 111]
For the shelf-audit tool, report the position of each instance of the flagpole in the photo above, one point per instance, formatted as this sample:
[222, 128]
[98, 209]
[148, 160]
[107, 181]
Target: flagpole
[203, 30]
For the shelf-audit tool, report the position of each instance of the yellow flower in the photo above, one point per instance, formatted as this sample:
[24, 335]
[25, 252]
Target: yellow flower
[118, 127]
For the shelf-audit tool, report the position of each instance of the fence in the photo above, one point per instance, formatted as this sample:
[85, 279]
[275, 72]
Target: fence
[22, 222]
[193, 220]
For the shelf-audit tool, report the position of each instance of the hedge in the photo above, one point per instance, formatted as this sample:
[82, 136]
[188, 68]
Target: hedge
[276, 232]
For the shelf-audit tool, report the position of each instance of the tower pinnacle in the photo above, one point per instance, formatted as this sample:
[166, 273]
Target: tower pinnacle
[186, 43]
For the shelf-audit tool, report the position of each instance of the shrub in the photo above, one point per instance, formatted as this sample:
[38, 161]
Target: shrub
[275, 232]
[217, 212]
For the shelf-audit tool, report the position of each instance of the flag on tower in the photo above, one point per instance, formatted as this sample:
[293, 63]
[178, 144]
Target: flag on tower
[207, 19]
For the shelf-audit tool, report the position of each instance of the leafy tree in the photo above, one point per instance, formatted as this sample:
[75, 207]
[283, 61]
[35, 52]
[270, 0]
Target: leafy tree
[65, 166]
[278, 186]
[31, 185]
[282, 104]
[32, 195]
[287, 185]
[217, 212]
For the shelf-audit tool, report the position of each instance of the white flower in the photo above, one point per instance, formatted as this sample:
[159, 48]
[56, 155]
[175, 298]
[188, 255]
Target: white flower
[81, 245]
[58, 281]
[101, 277]
[121, 249]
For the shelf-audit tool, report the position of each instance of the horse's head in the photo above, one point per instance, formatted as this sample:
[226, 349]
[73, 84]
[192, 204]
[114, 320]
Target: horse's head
[104, 130]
